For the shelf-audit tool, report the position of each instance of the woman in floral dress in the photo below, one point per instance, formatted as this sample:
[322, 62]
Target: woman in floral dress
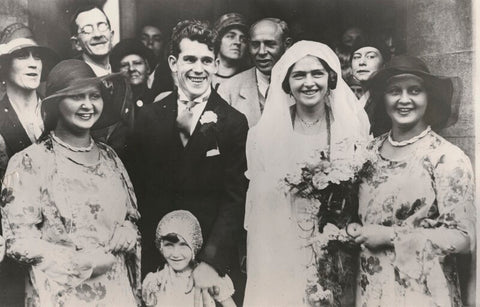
[68, 207]
[309, 110]
[416, 198]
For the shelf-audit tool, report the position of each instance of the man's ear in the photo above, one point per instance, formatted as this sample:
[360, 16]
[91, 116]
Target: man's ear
[75, 44]
[172, 62]
[288, 42]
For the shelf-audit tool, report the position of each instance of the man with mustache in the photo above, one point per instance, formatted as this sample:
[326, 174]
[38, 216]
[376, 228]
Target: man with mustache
[269, 38]
[232, 46]
[188, 153]
[92, 37]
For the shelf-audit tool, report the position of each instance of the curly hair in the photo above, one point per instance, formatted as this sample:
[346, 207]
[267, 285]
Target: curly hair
[194, 30]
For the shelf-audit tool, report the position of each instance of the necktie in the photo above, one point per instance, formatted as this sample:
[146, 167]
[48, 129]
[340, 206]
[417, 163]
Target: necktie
[184, 121]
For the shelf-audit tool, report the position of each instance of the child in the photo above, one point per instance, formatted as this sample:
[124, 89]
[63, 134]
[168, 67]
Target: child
[179, 238]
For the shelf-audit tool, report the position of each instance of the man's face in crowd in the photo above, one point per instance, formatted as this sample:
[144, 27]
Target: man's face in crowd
[152, 38]
[94, 36]
[266, 45]
[350, 36]
[194, 67]
[137, 68]
[233, 44]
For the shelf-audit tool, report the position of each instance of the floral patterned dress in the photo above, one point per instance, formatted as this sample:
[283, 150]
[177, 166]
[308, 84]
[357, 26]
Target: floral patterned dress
[54, 211]
[428, 199]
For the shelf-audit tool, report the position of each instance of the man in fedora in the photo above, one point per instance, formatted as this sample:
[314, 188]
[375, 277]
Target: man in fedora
[188, 152]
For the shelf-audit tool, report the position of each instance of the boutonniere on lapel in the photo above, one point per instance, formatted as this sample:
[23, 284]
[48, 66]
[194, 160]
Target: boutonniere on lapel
[208, 122]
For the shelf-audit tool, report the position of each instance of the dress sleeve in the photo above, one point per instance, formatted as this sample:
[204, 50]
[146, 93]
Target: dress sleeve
[422, 244]
[23, 199]
[226, 289]
[3, 156]
[133, 259]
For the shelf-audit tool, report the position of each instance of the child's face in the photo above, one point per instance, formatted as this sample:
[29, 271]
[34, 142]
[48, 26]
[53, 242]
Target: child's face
[178, 255]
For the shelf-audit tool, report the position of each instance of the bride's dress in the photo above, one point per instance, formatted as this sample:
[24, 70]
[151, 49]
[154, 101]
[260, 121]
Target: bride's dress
[280, 257]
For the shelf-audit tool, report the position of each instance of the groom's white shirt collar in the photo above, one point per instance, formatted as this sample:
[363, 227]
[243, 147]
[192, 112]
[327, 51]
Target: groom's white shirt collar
[197, 110]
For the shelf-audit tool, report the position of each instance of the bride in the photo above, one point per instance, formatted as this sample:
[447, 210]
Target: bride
[309, 109]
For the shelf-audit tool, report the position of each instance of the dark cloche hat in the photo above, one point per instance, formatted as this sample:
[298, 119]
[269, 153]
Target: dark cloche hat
[131, 46]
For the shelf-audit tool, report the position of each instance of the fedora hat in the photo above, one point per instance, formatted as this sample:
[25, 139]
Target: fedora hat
[16, 37]
[443, 92]
[71, 77]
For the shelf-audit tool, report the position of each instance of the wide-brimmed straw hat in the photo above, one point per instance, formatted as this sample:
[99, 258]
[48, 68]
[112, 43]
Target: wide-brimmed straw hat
[443, 92]
[71, 77]
[17, 37]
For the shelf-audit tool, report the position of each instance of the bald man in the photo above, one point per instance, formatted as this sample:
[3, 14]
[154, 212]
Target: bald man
[247, 91]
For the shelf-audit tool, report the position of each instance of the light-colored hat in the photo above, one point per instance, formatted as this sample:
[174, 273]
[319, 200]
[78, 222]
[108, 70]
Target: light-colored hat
[16, 37]
[181, 223]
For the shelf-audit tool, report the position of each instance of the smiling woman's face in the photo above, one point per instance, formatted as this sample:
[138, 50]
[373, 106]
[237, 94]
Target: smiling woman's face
[406, 101]
[79, 112]
[308, 81]
[25, 69]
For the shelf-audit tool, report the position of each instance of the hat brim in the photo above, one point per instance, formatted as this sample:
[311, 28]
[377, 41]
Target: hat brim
[48, 57]
[114, 90]
[80, 85]
[443, 91]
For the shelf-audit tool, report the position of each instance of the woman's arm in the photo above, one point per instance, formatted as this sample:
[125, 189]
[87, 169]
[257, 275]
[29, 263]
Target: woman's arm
[23, 199]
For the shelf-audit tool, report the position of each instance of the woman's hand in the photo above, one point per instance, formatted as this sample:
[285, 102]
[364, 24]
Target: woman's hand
[102, 262]
[124, 238]
[375, 236]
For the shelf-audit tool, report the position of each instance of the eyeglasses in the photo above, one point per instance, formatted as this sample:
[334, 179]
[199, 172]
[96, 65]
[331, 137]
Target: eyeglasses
[88, 29]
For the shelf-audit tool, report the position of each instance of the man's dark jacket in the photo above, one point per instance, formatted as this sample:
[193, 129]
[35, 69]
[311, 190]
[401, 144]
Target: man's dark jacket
[169, 177]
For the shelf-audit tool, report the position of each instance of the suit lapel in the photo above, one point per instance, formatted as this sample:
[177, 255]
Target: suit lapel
[198, 140]
[166, 127]
[249, 93]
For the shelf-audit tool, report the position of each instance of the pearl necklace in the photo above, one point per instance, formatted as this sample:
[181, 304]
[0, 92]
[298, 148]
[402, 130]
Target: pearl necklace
[409, 141]
[73, 148]
[309, 124]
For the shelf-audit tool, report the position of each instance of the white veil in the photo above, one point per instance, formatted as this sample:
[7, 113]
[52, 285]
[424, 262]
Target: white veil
[274, 278]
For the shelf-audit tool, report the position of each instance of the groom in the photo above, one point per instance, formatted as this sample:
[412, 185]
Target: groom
[188, 152]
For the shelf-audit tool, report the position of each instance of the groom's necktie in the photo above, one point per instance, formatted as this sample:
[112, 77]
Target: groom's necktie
[184, 121]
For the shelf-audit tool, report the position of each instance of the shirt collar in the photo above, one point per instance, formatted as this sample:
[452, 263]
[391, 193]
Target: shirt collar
[200, 99]
[263, 82]
[99, 70]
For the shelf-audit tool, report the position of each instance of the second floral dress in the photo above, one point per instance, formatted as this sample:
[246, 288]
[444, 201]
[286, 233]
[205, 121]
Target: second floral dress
[428, 199]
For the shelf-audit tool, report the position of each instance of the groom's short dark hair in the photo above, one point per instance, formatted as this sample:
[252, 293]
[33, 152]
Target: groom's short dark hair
[194, 30]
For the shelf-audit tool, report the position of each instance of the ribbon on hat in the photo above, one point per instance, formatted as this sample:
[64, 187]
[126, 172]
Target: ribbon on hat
[16, 44]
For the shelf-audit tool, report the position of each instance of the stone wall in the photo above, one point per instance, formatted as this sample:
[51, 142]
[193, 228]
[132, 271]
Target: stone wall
[440, 32]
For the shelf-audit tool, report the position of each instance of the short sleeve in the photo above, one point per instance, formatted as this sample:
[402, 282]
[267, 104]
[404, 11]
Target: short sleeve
[226, 289]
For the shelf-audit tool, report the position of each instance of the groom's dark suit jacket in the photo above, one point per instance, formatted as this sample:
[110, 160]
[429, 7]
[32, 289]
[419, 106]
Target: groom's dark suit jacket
[169, 177]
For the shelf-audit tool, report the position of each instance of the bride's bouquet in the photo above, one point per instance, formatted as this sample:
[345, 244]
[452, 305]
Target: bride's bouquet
[333, 183]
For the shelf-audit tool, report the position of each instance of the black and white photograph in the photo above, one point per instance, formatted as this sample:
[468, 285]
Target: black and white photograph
[203, 153]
